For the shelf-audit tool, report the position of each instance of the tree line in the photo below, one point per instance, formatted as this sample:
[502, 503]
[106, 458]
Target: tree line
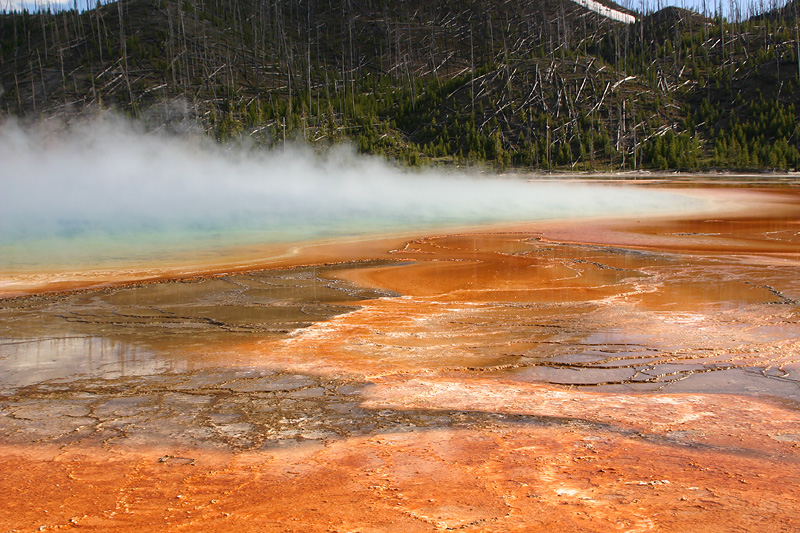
[508, 83]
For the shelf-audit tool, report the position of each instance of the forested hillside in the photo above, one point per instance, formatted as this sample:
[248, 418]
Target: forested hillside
[544, 84]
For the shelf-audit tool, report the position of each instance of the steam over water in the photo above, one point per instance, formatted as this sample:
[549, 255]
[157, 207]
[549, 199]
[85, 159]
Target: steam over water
[104, 193]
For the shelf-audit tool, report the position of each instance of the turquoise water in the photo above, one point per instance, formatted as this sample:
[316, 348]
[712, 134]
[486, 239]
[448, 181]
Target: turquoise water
[103, 194]
[107, 239]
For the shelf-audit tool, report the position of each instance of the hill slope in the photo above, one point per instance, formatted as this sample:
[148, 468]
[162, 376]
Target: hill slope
[542, 84]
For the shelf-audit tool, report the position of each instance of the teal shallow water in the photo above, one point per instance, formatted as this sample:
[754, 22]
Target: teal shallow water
[137, 234]
[103, 194]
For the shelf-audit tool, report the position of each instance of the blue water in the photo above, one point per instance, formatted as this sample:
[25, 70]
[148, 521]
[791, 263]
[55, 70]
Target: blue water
[103, 194]
[115, 238]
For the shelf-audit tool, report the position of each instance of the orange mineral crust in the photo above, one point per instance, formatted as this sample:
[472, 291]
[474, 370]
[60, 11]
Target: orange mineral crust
[635, 374]
[498, 475]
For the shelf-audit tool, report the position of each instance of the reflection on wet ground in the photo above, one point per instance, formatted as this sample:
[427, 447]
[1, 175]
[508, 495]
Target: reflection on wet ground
[161, 327]
[618, 376]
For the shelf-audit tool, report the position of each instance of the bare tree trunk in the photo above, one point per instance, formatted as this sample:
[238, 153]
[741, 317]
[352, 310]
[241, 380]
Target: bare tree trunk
[472, 68]
[171, 48]
[797, 38]
[123, 46]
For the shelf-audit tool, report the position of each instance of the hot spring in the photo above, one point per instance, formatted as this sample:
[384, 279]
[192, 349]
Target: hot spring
[312, 326]
[103, 194]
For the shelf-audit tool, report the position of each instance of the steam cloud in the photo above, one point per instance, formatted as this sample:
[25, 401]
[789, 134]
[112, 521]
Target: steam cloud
[103, 178]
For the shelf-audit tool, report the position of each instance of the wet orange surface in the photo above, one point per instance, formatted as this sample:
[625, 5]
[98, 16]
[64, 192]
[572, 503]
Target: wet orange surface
[612, 375]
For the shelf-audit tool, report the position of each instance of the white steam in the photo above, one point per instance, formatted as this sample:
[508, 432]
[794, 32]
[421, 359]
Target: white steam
[103, 181]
